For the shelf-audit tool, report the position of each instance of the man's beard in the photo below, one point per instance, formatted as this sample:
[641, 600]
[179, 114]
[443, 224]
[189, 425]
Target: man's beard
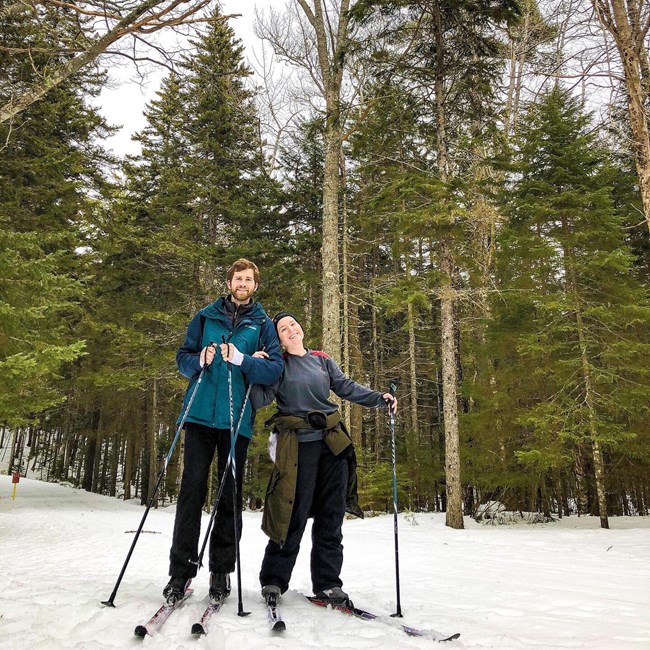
[242, 295]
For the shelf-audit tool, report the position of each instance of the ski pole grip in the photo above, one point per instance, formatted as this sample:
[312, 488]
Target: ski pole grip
[225, 342]
[208, 365]
[392, 390]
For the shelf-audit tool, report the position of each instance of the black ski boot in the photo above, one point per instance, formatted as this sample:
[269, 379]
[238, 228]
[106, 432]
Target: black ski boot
[175, 589]
[219, 586]
[334, 596]
[271, 594]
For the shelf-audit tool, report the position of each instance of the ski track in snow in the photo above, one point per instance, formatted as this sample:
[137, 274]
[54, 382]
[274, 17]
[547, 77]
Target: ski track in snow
[563, 585]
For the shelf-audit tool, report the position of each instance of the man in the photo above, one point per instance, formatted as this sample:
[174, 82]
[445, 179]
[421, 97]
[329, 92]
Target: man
[239, 327]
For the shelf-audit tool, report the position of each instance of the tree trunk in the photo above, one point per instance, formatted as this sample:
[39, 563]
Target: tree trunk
[450, 401]
[153, 441]
[346, 295]
[89, 462]
[449, 394]
[599, 468]
[331, 45]
[628, 34]
[98, 417]
[375, 373]
[144, 468]
[128, 466]
[115, 461]
[12, 452]
[580, 472]
[330, 249]
[413, 375]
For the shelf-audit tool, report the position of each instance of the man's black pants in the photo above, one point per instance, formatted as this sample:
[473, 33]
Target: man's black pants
[200, 445]
[321, 490]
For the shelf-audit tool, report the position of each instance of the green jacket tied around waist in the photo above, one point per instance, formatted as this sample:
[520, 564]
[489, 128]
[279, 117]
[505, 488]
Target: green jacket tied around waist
[281, 490]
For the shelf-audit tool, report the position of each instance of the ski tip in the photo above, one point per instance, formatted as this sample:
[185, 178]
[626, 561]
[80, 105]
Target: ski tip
[453, 637]
[197, 629]
[140, 631]
[279, 626]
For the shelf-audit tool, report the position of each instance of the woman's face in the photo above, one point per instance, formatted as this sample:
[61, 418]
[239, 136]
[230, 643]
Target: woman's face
[290, 333]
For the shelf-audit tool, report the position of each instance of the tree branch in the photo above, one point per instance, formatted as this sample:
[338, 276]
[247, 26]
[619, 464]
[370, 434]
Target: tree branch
[145, 17]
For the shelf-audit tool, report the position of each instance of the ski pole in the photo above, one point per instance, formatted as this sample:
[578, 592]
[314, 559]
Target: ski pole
[391, 414]
[199, 561]
[109, 602]
[213, 514]
[233, 465]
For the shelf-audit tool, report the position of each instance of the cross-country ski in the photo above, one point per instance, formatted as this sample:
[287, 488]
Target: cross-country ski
[273, 612]
[201, 627]
[392, 622]
[159, 618]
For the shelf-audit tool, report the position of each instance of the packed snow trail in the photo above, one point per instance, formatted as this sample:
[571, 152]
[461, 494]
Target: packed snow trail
[568, 584]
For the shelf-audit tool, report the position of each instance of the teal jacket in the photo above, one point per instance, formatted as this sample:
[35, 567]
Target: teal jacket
[249, 329]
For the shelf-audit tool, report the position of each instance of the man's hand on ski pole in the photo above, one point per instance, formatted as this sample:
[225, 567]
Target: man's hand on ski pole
[207, 355]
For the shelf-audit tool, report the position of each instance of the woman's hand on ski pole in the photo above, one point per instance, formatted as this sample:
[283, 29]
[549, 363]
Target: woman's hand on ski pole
[391, 402]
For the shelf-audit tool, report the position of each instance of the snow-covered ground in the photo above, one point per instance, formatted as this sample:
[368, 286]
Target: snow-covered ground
[563, 585]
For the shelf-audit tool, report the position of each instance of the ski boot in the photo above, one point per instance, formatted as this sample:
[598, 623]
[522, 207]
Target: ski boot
[271, 594]
[175, 589]
[219, 586]
[334, 596]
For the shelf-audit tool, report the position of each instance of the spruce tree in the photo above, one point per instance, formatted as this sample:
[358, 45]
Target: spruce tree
[51, 182]
[235, 202]
[196, 198]
[579, 312]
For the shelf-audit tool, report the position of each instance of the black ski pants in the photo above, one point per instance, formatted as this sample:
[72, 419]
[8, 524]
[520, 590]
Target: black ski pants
[200, 445]
[321, 490]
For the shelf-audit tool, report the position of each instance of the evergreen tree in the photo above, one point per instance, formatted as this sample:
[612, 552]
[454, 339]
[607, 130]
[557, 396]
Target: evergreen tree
[451, 73]
[296, 273]
[577, 313]
[51, 177]
[195, 199]
[235, 201]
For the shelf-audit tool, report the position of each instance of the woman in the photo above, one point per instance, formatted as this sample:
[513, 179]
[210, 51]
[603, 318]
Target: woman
[315, 466]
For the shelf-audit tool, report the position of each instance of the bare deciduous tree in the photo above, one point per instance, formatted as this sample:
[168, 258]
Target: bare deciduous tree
[316, 38]
[101, 23]
[629, 24]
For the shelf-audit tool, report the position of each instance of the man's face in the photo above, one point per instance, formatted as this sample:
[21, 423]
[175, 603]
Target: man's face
[242, 286]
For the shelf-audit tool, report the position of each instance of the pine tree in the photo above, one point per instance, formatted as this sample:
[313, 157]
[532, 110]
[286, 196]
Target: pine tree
[580, 312]
[236, 202]
[195, 199]
[51, 180]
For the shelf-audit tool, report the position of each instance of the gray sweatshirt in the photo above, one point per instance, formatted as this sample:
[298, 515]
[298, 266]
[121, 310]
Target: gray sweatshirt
[305, 386]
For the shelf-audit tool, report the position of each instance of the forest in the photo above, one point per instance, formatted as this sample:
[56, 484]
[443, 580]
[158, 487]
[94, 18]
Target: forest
[452, 195]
